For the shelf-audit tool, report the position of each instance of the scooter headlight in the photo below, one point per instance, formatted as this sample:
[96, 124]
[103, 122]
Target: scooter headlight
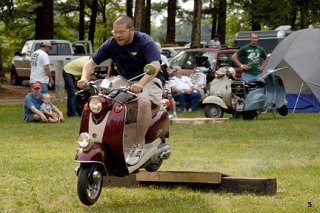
[84, 141]
[95, 105]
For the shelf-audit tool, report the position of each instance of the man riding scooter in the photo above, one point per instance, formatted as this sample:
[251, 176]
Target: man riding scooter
[131, 51]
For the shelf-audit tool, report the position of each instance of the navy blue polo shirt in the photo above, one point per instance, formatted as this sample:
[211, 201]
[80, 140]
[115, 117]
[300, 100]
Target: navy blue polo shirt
[129, 59]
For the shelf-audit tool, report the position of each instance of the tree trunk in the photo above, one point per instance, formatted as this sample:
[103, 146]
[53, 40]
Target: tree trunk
[129, 6]
[222, 16]
[138, 14]
[196, 24]
[304, 14]
[214, 15]
[255, 17]
[44, 20]
[104, 19]
[255, 26]
[171, 22]
[92, 27]
[1, 67]
[147, 24]
[143, 17]
[293, 18]
[81, 20]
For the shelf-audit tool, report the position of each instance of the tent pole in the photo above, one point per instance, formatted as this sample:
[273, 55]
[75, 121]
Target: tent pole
[294, 109]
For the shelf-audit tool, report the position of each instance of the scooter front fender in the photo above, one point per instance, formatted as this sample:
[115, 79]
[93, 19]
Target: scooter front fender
[215, 100]
[255, 100]
[275, 91]
[95, 154]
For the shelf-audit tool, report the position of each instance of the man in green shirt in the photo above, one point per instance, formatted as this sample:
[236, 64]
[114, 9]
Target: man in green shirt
[254, 59]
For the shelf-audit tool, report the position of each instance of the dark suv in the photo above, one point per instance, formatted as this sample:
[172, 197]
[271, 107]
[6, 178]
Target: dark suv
[216, 58]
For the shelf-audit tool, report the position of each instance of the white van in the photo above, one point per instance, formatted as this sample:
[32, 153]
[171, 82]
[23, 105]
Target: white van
[267, 39]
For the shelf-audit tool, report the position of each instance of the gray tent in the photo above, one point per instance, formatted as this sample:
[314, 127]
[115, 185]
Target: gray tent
[300, 52]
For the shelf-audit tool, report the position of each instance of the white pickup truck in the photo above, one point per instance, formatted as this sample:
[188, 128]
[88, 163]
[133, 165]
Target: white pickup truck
[61, 50]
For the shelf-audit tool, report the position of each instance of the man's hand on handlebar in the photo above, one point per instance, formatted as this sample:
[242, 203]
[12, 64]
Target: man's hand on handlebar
[136, 88]
[82, 83]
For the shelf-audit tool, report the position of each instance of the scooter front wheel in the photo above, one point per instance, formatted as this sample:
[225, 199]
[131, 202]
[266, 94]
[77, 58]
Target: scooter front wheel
[213, 111]
[249, 115]
[89, 183]
[283, 110]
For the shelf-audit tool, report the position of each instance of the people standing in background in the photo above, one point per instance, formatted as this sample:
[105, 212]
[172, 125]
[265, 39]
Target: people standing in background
[71, 72]
[254, 59]
[40, 69]
[215, 42]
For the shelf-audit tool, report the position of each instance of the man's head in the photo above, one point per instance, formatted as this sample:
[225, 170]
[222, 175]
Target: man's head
[36, 88]
[216, 37]
[254, 38]
[178, 72]
[123, 30]
[45, 45]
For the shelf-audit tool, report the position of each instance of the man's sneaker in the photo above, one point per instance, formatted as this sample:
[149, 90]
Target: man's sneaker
[135, 154]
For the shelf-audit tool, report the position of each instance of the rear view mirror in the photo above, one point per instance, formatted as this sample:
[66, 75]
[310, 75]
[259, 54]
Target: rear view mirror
[149, 69]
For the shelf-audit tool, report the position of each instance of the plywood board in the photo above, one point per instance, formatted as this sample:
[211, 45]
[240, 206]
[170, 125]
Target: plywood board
[179, 177]
[214, 181]
[198, 121]
[262, 186]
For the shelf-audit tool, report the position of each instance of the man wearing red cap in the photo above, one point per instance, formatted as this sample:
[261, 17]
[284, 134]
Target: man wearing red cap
[32, 103]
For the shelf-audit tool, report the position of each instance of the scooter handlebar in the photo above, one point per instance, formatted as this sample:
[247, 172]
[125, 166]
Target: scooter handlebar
[116, 91]
[89, 84]
[268, 72]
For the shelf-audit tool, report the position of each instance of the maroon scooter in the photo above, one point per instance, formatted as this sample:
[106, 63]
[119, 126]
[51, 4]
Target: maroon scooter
[106, 132]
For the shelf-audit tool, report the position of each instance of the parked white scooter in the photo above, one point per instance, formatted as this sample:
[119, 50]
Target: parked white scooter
[220, 93]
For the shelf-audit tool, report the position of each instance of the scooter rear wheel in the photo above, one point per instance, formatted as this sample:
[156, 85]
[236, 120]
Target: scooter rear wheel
[152, 167]
[89, 184]
[213, 111]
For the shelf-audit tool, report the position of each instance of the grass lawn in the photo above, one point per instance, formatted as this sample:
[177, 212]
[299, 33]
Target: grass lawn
[37, 166]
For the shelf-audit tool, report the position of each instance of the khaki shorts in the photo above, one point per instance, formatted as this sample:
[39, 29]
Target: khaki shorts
[152, 90]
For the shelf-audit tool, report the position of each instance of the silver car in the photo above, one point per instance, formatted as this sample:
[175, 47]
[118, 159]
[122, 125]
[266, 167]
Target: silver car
[170, 52]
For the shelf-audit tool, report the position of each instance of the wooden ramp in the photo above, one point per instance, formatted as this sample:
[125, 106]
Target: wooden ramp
[198, 121]
[196, 180]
